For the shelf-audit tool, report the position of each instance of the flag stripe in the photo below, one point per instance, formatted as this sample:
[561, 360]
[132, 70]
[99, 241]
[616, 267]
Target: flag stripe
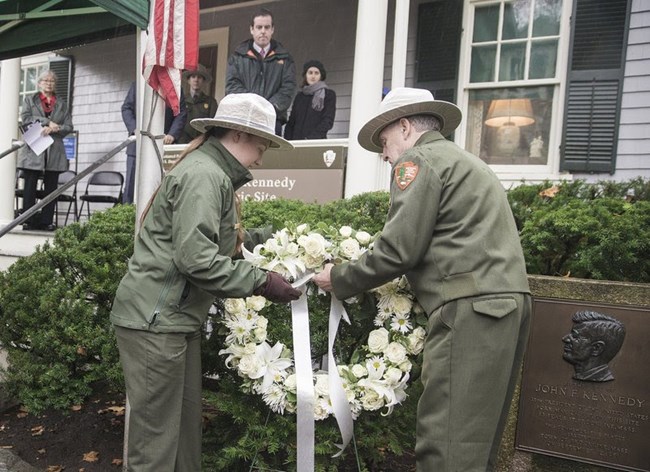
[172, 45]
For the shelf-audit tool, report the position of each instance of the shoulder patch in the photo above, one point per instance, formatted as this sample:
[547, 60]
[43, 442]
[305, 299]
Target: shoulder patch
[405, 173]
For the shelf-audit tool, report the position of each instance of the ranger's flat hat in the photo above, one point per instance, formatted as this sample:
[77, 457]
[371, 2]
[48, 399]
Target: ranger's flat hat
[403, 102]
[247, 112]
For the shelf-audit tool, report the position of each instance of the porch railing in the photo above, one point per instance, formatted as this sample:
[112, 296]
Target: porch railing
[54, 195]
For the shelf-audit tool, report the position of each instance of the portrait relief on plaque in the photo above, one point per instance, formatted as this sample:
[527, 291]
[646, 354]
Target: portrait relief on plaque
[593, 342]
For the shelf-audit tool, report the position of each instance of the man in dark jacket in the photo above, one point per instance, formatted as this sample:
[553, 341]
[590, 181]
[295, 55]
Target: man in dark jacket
[263, 66]
[173, 129]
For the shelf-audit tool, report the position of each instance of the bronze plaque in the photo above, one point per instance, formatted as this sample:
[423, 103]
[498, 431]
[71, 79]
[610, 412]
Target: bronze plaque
[313, 172]
[585, 391]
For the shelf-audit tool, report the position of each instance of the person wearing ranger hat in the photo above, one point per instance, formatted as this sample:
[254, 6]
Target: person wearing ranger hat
[198, 103]
[451, 232]
[183, 259]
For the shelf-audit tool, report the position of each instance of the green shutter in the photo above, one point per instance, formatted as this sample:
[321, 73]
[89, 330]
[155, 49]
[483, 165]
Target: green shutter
[594, 85]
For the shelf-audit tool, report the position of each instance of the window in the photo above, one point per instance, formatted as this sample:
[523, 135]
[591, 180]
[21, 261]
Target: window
[29, 79]
[513, 79]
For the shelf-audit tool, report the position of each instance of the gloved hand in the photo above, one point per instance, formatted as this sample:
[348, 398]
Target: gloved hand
[277, 289]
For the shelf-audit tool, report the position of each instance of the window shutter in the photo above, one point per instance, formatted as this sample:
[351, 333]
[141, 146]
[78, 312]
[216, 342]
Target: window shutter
[62, 66]
[594, 85]
[438, 46]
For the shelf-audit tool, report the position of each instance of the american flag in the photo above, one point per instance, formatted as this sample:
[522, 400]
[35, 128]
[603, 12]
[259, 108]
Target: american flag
[172, 46]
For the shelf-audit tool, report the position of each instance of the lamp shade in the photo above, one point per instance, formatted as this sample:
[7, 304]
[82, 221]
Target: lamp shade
[510, 111]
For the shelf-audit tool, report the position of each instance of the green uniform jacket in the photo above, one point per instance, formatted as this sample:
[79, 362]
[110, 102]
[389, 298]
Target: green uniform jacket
[199, 106]
[450, 231]
[182, 256]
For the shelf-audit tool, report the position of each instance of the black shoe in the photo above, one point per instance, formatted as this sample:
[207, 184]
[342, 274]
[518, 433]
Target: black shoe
[29, 227]
[49, 227]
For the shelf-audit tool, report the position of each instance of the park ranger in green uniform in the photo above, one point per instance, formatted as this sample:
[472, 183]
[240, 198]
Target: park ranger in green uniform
[451, 231]
[182, 261]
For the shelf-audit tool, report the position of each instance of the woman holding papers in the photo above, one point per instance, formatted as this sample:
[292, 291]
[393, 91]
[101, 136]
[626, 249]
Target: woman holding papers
[53, 115]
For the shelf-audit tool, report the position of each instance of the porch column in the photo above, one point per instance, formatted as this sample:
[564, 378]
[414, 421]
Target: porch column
[9, 90]
[148, 170]
[363, 167]
[398, 77]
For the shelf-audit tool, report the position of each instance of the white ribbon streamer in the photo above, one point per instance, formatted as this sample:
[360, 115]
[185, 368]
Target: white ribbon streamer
[304, 385]
[338, 398]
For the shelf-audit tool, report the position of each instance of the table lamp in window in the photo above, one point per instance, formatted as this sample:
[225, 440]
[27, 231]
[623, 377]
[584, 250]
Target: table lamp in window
[507, 115]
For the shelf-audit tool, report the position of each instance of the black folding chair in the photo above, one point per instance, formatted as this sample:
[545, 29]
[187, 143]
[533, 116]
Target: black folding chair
[70, 199]
[102, 179]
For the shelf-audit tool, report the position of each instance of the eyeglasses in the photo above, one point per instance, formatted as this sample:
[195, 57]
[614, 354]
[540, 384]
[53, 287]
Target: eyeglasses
[47, 81]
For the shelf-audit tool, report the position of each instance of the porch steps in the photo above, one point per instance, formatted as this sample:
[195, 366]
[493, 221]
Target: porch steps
[19, 243]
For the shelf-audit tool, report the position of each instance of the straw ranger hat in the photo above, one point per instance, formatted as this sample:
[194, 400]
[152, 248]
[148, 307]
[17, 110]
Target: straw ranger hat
[247, 112]
[200, 71]
[401, 103]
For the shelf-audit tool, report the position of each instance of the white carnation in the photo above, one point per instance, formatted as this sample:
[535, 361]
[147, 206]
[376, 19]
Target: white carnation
[401, 305]
[395, 353]
[378, 340]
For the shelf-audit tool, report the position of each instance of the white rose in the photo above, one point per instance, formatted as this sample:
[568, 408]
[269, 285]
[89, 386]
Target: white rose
[290, 383]
[292, 249]
[359, 371]
[322, 385]
[401, 305]
[350, 248]
[249, 348]
[260, 334]
[249, 365]
[314, 245]
[363, 237]
[234, 305]
[345, 231]
[395, 353]
[378, 340]
[256, 303]
[312, 262]
[301, 228]
[371, 400]
[393, 375]
[405, 366]
[415, 343]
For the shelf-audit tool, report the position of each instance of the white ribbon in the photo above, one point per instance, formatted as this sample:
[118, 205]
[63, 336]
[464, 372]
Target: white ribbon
[305, 427]
[338, 398]
[304, 382]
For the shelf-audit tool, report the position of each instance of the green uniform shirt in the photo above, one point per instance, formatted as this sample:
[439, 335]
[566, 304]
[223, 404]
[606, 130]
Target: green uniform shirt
[449, 229]
[182, 255]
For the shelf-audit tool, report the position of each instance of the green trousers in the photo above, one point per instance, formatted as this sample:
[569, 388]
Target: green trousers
[472, 359]
[163, 386]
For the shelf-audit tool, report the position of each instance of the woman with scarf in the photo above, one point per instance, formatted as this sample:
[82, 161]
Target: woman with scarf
[54, 116]
[313, 110]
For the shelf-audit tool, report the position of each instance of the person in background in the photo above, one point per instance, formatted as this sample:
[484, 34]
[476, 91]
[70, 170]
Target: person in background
[314, 108]
[173, 129]
[182, 261]
[198, 103]
[450, 230]
[53, 114]
[263, 66]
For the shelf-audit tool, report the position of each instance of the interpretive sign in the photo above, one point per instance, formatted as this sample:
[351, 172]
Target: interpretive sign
[313, 172]
[585, 392]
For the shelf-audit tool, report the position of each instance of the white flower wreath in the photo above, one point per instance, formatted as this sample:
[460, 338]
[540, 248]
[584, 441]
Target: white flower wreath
[377, 375]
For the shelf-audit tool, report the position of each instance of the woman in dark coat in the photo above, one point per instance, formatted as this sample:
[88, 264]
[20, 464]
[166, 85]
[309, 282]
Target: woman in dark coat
[54, 115]
[313, 109]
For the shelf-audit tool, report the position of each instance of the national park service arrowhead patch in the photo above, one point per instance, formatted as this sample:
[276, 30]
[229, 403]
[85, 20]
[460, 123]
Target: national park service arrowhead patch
[405, 173]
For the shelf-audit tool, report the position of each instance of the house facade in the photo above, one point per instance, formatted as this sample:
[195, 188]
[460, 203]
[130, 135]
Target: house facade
[549, 89]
